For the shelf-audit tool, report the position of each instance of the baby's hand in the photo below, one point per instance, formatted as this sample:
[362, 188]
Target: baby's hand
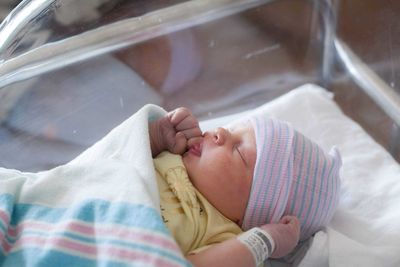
[285, 234]
[174, 131]
[183, 127]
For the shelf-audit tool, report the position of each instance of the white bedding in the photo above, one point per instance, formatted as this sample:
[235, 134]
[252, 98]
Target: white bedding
[101, 209]
[365, 230]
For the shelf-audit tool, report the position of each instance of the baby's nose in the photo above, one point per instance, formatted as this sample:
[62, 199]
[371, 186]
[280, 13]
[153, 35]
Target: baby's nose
[220, 135]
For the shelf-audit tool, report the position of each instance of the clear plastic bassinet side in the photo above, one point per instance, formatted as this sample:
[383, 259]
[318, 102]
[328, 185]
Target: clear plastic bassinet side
[365, 82]
[73, 70]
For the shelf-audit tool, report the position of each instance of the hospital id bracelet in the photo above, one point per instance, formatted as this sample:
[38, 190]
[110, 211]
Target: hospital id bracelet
[259, 242]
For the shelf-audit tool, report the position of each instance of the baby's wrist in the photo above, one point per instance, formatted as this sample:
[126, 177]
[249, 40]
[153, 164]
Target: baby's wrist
[259, 242]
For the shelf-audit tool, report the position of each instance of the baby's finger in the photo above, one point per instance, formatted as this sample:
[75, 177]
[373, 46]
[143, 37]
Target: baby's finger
[178, 115]
[188, 122]
[192, 132]
[293, 223]
[180, 143]
[289, 219]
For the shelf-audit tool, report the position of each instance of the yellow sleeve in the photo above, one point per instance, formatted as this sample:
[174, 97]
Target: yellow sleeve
[218, 238]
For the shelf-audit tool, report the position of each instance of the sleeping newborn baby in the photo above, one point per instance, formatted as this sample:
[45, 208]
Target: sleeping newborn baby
[238, 195]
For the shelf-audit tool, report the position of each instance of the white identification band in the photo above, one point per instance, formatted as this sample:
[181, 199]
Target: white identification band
[259, 242]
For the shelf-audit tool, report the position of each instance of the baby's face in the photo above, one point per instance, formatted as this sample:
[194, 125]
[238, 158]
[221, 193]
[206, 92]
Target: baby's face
[221, 167]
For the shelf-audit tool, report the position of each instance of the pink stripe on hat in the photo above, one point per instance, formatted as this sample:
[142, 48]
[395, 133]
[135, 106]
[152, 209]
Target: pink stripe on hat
[292, 176]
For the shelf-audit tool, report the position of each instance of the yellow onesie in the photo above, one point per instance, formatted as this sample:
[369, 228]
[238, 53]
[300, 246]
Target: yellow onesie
[193, 221]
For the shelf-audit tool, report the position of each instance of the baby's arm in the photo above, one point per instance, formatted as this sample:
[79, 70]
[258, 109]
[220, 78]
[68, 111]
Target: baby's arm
[174, 132]
[234, 253]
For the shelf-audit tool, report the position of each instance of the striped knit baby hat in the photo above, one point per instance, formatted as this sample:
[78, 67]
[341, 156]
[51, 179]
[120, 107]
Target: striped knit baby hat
[292, 176]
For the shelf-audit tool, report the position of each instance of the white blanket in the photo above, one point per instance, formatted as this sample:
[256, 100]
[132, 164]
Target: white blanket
[100, 209]
[365, 230]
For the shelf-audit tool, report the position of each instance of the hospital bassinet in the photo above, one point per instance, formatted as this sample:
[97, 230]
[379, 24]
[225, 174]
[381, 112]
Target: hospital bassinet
[71, 71]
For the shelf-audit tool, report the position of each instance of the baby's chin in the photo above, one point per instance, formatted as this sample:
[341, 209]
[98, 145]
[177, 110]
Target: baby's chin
[188, 162]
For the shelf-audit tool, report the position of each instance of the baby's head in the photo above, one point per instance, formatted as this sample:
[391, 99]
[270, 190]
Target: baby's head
[257, 170]
[292, 176]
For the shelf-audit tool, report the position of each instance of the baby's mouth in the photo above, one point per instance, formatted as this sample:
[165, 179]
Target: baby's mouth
[195, 149]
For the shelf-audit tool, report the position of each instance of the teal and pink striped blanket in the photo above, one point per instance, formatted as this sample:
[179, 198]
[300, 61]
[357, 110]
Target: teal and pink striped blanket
[101, 209]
